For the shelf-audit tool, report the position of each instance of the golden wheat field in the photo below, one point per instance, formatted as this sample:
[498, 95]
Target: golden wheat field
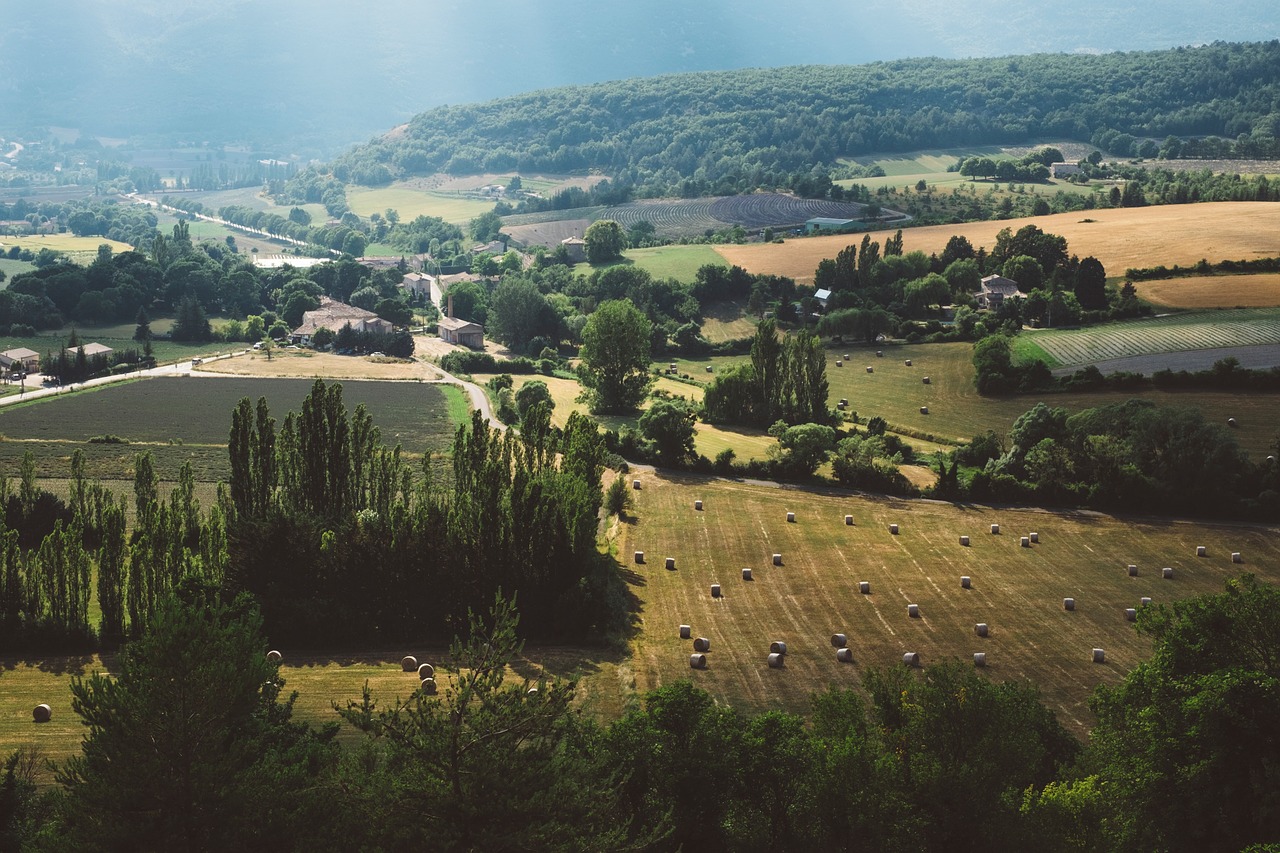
[1214, 291]
[1120, 238]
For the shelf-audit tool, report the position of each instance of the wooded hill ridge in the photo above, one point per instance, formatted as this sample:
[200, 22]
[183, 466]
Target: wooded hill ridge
[737, 130]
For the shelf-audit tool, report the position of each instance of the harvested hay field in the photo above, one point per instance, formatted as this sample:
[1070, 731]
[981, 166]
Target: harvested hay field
[306, 364]
[1017, 591]
[1213, 291]
[1120, 238]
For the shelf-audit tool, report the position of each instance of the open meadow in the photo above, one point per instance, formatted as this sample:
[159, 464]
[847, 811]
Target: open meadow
[82, 250]
[678, 262]
[1261, 290]
[1120, 238]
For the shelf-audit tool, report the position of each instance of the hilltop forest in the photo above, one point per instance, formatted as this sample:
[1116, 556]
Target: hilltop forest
[726, 132]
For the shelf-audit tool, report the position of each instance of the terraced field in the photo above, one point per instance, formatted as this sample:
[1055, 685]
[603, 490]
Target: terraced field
[1201, 330]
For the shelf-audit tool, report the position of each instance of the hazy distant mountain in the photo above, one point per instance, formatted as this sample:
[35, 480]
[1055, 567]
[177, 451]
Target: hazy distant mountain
[330, 72]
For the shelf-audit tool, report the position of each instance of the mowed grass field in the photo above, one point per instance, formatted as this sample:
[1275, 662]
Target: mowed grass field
[411, 203]
[1213, 291]
[1120, 238]
[1017, 591]
[678, 262]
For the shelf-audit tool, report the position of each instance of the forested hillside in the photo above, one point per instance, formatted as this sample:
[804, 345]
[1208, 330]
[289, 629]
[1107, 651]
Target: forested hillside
[725, 132]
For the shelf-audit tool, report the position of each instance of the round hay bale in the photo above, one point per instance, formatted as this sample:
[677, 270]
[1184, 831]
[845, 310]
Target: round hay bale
[702, 644]
[964, 540]
[848, 521]
[1236, 558]
[1144, 601]
[1167, 573]
[911, 659]
[639, 558]
[1068, 604]
[715, 590]
[844, 401]
[1025, 542]
[924, 410]
[671, 563]
[846, 356]
[893, 529]
[532, 691]
[41, 713]
[1133, 571]
[979, 658]
[776, 661]
[674, 366]
[697, 661]
[709, 368]
[981, 629]
[791, 518]
[1231, 422]
[839, 363]
[879, 353]
[965, 582]
[697, 505]
[908, 362]
[844, 655]
[839, 640]
[426, 670]
[1130, 614]
[1201, 551]
[924, 380]
[864, 587]
[428, 686]
[746, 574]
[870, 369]
[409, 663]
[274, 656]
[778, 647]
[995, 530]
[635, 484]
[1035, 538]
[685, 632]
[777, 559]
[1099, 656]
[913, 610]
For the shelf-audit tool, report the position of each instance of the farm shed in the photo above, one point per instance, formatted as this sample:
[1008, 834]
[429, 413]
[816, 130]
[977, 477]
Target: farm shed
[828, 223]
[822, 296]
[576, 247]
[462, 332]
[28, 360]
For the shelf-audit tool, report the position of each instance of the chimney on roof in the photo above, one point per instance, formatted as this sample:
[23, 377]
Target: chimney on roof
[449, 314]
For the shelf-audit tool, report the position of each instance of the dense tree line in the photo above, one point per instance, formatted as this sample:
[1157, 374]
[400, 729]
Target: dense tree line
[786, 380]
[720, 133]
[191, 745]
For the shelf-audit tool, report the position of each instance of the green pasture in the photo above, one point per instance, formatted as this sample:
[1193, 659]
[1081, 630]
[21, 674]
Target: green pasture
[678, 262]
[726, 321]
[411, 203]
[11, 267]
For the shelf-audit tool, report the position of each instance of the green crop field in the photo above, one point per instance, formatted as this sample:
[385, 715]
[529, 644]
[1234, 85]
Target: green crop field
[678, 262]
[726, 321]
[1017, 591]
[1190, 331]
[411, 203]
[11, 267]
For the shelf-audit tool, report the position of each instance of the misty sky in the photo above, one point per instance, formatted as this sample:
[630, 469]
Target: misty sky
[336, 67]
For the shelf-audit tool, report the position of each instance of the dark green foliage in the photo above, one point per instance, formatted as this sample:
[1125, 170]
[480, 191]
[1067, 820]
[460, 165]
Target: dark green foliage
[605, 241]
[786, 380]
[616, 346]
[669, 424]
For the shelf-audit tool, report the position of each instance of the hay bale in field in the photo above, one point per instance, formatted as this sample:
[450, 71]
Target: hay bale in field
[908, 362]
[1236, 558]
[428, 686]
[777, 661]
[715, 590]
[746, 574]
[697, 661]
[924, 410]
[964, 540]
[1068, 604]
[778, 647]
[1130, 614]
[635, 484]
[639, 558]
[844, 402]
[839, 363]
[1099, 656]
[1144, 601]
[709, 368]
[532, 691]
[777, 559]
[426, 670]
[839, 640]
[864, 587]
[870, 369]
[924, 380]
[844, 655]
[1201, 551]
[685, 632]
[702, 644]
[848, 520]
[274, 656]
[893, 529]
[1167, 573]
[409, 663]
[911, 659]
[979, 658]
[981, 629]
[1231, 422]
[879, 353]
[1035, 538]
[846, 356]
[41, 713]
[913, 610]
[965, 582]
[995, 530]
[1133, 571]
[697, 505]
[791, 518]
[671, 563]
[1025, 542]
